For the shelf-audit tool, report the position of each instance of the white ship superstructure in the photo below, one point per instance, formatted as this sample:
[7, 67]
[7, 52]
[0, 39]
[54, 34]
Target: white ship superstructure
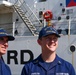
[24, 19]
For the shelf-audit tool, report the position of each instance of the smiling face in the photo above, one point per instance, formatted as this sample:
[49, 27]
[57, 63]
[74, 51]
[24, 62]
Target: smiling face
[49, 43]
[3, 45]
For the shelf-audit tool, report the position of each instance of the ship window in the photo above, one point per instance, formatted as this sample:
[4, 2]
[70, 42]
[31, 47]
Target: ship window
[61, 4]
[59, 31]
[65, 31]
[41, 0]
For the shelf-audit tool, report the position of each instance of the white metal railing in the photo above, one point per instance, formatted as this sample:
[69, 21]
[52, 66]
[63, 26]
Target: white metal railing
[30, 14]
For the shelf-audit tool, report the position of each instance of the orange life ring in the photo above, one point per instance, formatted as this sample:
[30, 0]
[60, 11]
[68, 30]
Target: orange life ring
[48, 15]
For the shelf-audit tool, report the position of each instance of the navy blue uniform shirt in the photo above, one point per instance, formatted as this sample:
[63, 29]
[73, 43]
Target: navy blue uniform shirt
[4, 69]
[57, 67]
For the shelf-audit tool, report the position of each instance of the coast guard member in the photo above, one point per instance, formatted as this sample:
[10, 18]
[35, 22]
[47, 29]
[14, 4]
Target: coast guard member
[4, 38]
[48, 62]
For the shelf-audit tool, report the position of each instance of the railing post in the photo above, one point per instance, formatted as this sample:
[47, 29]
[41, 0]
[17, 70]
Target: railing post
[13, 28]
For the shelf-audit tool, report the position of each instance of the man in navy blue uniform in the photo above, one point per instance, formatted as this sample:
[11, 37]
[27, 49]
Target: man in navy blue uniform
[48, 62]
[4, 38]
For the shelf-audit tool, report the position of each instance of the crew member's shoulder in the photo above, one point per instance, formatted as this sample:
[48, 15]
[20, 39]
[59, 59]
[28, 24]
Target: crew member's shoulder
[33, 62]
[65, 62]
[8, 68]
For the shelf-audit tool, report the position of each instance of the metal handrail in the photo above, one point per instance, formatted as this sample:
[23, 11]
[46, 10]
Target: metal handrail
[29, 8]
[30, 14]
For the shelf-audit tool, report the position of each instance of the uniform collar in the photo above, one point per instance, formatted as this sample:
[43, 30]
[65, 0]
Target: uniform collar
[40, 61]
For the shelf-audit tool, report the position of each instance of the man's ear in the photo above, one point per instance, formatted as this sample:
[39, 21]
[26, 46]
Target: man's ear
[39, 41]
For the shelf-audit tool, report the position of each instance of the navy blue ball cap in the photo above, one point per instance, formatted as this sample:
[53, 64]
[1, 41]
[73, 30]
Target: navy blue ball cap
[4, 33]
[48, 30]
